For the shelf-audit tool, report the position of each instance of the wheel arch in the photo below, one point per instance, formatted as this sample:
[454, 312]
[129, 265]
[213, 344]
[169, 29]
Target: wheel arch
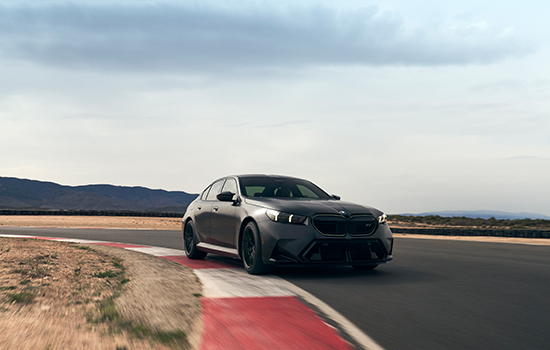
[184, 223]
[241, 231]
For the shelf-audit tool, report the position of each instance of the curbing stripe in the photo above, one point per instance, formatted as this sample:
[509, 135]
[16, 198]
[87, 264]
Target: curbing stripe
[158, 251]
[277, 323]
[72, 240]
[199, 264]
[17, 236]
[118, 245]
[237, 283]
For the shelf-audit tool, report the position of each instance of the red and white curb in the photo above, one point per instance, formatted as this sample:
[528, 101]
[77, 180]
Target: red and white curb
[242, 312]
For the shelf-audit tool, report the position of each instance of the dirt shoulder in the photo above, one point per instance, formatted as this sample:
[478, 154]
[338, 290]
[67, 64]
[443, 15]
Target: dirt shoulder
[532, 241]
[57, 295]
[91, 222]
[409, 225]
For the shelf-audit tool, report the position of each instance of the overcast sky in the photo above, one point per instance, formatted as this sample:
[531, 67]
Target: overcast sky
[408, 106]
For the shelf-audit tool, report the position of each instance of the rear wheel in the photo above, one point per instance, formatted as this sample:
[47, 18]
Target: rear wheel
[251, 250]
[190, 242]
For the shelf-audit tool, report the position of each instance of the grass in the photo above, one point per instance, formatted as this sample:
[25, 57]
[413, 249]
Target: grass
[108, 310]
[21, 297]
[106, 313]
[85, 248]
[117, 263]
[8, 288]
[174, 338]
[38, 273]
[105, 274]
[45, 258]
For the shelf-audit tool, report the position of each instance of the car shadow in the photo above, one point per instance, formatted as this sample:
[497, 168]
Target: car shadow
[225, 260]
[382, 275]
[385, 274]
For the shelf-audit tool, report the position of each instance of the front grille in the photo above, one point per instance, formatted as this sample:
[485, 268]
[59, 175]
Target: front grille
[345, 251]
[335, 225]
[362, 225]
[330, 225]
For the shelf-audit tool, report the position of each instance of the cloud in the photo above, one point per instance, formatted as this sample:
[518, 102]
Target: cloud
[204, 38]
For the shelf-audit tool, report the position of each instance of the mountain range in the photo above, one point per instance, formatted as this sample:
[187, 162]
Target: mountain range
[32, 194]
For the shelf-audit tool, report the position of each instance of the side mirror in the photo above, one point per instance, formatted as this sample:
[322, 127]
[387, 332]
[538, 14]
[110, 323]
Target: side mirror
[335, 197]
[225, 196]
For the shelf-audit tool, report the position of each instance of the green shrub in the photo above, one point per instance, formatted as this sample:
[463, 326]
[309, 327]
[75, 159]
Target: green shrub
[105, 274]
[21, 297]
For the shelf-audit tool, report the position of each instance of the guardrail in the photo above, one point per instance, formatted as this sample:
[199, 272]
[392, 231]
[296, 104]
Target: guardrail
[473, 232]
[89, 213]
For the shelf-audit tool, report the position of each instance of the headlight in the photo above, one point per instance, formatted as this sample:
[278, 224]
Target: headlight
[278, 216]
[382, 218]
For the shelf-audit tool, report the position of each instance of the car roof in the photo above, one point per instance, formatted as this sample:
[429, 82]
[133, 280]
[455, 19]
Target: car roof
[265, 175]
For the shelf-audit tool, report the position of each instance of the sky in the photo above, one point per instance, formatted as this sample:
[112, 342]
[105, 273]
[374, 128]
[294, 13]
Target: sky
[407, 106]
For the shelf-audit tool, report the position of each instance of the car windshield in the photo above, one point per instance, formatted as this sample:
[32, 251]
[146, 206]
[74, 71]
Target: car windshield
[280, 187]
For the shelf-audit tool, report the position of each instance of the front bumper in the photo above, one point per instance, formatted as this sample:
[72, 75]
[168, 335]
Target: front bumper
[286, 244]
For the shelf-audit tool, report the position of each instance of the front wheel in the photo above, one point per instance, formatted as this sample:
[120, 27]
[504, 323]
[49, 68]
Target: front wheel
[190, 242]
[251, 250]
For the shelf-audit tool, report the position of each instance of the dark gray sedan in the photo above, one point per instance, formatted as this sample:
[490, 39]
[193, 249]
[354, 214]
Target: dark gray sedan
[268, 220]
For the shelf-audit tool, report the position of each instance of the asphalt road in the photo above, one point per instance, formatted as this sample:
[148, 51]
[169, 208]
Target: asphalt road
[435, 294]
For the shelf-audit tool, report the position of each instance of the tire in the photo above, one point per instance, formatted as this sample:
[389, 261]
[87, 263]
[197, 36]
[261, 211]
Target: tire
[190, 242]
[364, 267]
[251, 250]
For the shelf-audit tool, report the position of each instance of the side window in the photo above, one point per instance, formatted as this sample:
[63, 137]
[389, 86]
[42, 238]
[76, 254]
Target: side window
[205, 193]
[214, 190]
[230, 186]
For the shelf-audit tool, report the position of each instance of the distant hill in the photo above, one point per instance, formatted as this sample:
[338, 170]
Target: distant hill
[31, 194]
[484, 214]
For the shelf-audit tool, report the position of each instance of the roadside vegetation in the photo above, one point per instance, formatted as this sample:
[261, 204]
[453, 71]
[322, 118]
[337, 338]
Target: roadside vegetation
[437, 221]
[64, 295]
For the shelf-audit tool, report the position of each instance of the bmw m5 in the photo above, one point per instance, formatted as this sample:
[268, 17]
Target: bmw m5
[271, 220]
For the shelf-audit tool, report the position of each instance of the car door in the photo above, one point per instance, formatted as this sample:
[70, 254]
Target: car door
[224, 222]
[203, 211]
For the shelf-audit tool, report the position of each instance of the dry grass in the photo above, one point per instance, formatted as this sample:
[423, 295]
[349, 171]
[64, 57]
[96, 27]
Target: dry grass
[56, 295]
[91, 222]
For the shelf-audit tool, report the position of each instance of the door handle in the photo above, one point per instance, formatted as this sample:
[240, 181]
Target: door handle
[199, 208]
[215, 208]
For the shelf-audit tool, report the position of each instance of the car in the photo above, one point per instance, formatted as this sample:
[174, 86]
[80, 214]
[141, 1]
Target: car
[274, 220]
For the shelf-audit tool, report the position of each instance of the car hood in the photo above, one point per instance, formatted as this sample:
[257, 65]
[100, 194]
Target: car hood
[312, 207]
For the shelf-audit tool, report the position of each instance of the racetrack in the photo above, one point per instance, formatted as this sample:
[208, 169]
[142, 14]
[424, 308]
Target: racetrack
[435, 294]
